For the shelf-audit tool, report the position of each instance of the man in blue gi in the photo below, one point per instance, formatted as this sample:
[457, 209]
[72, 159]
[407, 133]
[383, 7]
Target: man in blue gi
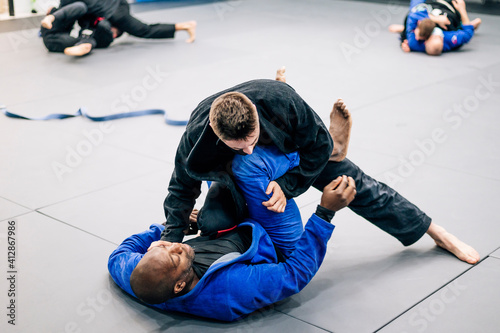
[237, 272]
[436, 26]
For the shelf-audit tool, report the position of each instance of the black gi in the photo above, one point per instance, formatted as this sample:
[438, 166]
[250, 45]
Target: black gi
[125, 22]
[287, 122]
[93, 30]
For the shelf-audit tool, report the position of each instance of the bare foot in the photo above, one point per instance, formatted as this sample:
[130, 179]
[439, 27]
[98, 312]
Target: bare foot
[396, 28]
[280, 74]
[452, 244]
[47, 21]
[340, 130]
[405, 46]
[78, 50]
[476, 23]
[190, 27]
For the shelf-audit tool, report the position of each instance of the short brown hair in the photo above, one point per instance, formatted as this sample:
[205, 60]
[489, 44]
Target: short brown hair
[425, 28]
[232, 116]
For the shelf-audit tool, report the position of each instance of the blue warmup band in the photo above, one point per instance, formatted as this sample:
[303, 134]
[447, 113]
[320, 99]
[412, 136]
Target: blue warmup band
[83, 112]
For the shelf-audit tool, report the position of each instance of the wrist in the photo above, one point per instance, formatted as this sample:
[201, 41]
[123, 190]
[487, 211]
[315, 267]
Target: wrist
[324, 213]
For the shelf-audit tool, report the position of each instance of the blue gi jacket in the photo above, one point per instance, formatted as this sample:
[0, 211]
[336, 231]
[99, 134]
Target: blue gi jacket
[230, 290]
[451, 39]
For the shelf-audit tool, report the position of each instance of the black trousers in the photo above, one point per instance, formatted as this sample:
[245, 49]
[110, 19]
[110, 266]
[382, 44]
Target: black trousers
[58, 38]
[125, 22]
[375, 201]
[379, 203]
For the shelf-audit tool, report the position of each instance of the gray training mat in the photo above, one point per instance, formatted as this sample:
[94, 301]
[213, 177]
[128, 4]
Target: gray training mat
[427, 126]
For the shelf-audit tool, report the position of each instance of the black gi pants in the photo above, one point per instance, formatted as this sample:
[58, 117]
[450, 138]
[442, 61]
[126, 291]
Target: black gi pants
[58, 38]
[375, 201]
[125, 22]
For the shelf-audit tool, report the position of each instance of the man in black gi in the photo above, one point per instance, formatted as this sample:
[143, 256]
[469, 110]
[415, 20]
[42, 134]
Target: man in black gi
[267, 112]
[117, 12]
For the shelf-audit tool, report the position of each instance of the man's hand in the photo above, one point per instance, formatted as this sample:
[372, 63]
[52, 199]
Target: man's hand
[405, 47]
[441, 20]
[339, 193]
[158, 244]
[459, 5]
[277, 202]
[193, 218]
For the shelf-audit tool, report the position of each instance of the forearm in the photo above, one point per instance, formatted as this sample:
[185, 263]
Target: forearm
[178, 206]
[464, 16]
[183, 190]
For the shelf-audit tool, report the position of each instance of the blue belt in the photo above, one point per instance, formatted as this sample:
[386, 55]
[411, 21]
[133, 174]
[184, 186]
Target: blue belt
[83, 113]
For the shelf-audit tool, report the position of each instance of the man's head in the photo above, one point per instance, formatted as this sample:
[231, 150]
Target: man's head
[164, 272]
[424, 29]
[234, 119]
[434, 45]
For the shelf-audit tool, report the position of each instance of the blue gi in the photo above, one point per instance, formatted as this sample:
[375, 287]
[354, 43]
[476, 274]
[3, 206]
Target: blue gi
[232, 289]
[451, 39]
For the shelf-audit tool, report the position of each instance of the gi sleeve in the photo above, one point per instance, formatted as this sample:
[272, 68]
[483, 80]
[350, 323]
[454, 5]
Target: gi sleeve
[182, 193]
[454, 39]
[411, 25]
[125, 258]
[314, 144]
[249, 287]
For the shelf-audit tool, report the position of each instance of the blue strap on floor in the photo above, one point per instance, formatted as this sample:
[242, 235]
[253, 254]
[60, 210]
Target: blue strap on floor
[83, 113]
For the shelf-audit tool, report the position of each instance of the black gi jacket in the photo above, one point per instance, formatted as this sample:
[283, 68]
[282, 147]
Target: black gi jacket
[286, 121]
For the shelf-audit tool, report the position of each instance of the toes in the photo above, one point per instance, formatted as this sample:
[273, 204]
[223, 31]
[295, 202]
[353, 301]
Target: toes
[342, 108]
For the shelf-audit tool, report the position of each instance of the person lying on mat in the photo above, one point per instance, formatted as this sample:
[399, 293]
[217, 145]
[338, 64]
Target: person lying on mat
[436, 26]
[198, 276]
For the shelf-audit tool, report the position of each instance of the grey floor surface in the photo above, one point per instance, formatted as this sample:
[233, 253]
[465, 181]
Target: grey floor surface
[428, 126]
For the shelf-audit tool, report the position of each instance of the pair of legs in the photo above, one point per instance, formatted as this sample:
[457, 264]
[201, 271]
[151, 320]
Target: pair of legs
[376, 202]
[125, 22]
[94, 33]
[57, 25]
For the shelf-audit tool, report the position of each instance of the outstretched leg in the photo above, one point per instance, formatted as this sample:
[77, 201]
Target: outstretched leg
[396, 28]
[388, 210]
[340, 130]
[452, 244]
